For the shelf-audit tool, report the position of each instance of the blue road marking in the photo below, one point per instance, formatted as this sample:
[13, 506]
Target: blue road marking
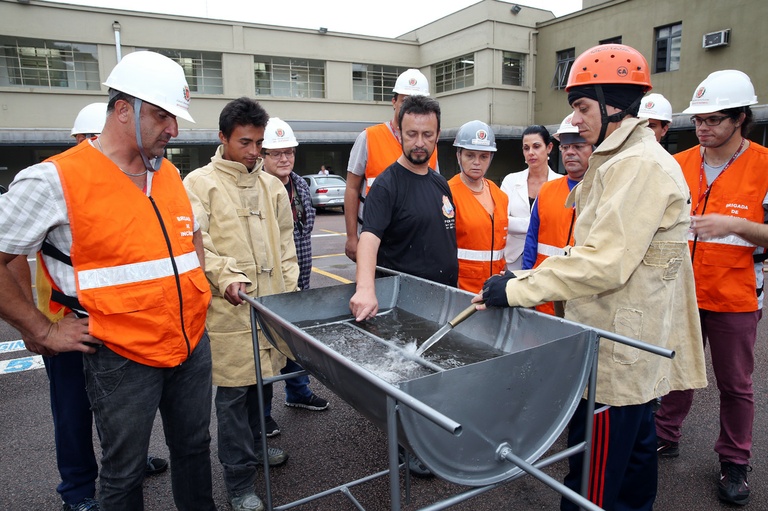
[21, 364]
[11, 346]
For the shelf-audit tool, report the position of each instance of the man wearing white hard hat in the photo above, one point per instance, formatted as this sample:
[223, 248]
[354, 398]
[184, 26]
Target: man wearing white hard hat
[551, 225]
[279, 150]
[658, 111]
[375, 149]
[727, 176]
[247, 226]
[124, 262]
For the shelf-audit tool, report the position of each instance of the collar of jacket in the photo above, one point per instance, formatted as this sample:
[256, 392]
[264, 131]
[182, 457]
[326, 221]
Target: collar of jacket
[235, 169]
[619, 137]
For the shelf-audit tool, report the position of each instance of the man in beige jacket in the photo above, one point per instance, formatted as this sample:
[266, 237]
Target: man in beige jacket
[629, 271]
[247, 227]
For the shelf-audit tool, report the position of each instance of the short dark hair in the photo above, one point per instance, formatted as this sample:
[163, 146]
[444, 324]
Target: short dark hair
[538, 129]
[242, 112]
[749, 118]
[419, 105]
[115, 96]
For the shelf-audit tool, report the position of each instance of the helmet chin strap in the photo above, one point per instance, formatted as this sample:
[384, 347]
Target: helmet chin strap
[606, 119]
[151, 167]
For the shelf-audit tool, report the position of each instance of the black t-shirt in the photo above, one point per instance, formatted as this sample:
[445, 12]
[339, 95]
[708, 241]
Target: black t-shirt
[414, 217]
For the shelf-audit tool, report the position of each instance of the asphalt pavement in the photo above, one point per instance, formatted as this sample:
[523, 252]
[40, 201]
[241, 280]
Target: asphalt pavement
[336, 446]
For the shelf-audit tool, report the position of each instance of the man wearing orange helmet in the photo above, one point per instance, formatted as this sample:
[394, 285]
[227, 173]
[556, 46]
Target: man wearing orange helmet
[629, 272]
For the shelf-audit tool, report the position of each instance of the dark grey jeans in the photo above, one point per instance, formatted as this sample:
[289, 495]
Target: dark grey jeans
[239, 432]
[125, 397]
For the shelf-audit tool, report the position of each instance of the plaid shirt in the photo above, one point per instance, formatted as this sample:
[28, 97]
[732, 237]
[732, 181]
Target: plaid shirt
[302, 227]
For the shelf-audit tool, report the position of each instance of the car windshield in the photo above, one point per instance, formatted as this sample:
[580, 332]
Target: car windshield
[330, 181]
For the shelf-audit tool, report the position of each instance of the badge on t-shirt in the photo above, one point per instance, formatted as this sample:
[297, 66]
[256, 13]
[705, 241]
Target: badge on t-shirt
[448, 210]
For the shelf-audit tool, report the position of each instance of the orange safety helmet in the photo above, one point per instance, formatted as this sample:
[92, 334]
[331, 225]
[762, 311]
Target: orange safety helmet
[610, 64]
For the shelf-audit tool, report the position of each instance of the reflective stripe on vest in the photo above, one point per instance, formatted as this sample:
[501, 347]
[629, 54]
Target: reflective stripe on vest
[550, 250]
[124, 247]
[481, 255]
[731, 239]
[136, 272]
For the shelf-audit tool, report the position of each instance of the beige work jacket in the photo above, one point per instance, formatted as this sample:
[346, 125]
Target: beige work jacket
[247, 228]
[629, 270]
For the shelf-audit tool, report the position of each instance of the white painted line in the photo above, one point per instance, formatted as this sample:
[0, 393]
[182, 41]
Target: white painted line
[11, 346]
[327, 235]
[21, 364]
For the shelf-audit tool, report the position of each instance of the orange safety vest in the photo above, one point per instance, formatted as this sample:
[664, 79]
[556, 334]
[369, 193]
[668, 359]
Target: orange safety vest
[555, 225]
[481, 238]
[384, 150]
[136, 269]
[723, 267]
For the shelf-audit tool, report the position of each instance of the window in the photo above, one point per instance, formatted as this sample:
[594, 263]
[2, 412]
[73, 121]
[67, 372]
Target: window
[202, 69]
[612, 40]
[565, 60]
[181, 158]
[286, 77]
[513, 68]
[667, 48]
[455, 74]
[371, 82]
[41, 63]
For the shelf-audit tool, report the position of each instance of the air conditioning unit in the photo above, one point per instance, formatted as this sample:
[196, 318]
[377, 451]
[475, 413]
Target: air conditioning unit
[715, 39]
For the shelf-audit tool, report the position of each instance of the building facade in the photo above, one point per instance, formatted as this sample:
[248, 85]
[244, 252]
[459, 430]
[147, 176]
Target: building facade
[495, 61]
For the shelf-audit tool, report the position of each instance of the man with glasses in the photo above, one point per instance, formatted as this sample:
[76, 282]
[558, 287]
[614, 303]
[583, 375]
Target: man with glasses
[727, 176]
[279, 150]
[247, 227]
[551, 225]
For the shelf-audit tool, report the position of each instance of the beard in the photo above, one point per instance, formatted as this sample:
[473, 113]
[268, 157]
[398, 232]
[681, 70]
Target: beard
[417, 160]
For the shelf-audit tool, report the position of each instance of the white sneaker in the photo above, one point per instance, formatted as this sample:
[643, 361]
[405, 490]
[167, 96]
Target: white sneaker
[246, 502]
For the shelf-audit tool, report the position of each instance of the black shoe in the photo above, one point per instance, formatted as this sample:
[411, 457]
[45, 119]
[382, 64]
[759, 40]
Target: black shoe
[415, 465]
[312, 402]
[83, 505]
[667, 449]
[733, 487]
[272, 428]
[155, 466]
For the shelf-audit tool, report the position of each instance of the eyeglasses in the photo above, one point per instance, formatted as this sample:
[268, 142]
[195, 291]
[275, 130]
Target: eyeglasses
[576, 147]
[709, 121]
[278, 155]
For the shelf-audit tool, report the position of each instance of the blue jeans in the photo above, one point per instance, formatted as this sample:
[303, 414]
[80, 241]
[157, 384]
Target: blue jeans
[125, 397]
[296, 388]
[239, 430]
[72, 427]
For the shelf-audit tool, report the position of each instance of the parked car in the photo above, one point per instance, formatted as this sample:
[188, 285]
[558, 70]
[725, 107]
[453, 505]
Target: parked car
[327, 191]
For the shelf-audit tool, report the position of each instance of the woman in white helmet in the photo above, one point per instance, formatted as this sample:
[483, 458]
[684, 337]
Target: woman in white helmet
[481, 208]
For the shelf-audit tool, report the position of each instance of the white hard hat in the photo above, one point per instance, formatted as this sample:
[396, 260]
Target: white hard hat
[90, 120]
[655, 106]
[475, 136]
[722, 90]
[153, 78]
[566, 127]
[412, 83]
[278, 135]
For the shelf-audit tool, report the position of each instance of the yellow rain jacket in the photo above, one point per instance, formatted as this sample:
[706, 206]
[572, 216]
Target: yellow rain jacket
[629, 270]
[247, 228]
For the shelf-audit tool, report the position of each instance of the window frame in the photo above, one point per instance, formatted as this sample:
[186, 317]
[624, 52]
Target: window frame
[508, 56]
[49, 64]
[299, 77]
[374, 82]
[563, 64]
[454, 74]
[667, 48]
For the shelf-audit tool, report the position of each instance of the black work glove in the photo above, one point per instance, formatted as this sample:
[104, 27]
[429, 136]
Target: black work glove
[495, 290]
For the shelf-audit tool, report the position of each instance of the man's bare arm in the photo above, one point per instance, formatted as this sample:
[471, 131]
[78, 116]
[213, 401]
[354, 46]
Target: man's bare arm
[351, 210]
